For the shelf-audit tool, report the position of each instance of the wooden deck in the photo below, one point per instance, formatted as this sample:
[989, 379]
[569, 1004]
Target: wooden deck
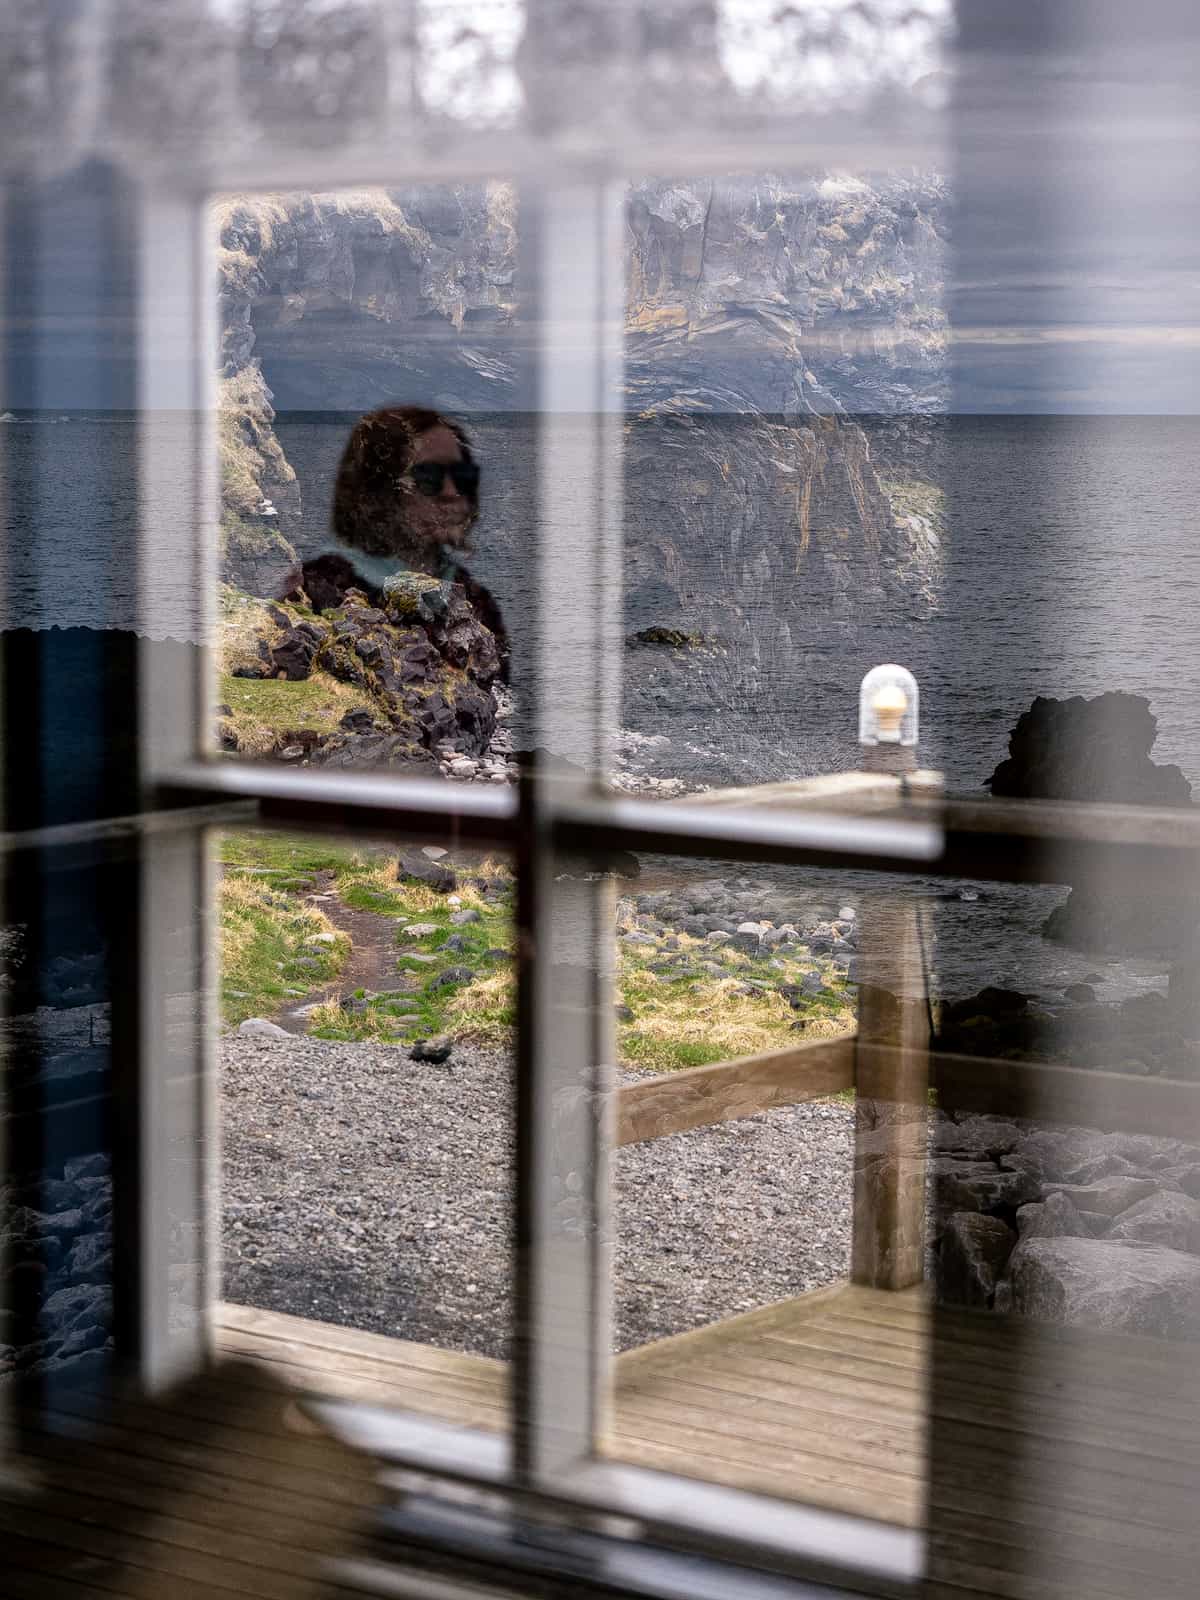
[786, 1400]
[1042, 1463]
[227, 1489]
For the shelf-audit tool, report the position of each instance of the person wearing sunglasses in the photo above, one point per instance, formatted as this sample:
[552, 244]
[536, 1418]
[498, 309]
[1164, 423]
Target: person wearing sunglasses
[406, 496]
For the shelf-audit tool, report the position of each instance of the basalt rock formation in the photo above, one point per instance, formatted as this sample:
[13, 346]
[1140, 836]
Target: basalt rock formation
[413, 666]
[1099, 750]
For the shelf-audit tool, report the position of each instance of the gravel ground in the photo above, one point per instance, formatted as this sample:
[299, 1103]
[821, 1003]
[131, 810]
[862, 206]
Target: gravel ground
[362, 1188]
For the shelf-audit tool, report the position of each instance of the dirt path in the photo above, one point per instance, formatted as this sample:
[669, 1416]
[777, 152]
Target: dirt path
[370, 965]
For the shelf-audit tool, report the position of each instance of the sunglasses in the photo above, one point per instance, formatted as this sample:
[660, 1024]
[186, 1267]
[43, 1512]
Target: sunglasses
[430, 476]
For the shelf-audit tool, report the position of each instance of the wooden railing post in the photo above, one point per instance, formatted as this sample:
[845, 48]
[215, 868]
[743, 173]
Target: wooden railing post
[892, 1100]
[892, 1046]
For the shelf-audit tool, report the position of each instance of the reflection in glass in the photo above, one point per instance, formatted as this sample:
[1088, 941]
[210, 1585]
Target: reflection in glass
[357, 627]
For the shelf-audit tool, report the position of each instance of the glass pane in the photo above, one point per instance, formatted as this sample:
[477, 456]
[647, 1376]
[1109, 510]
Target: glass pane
[784, 494]
[367, 1010]
[370, 464]
[752, 1189]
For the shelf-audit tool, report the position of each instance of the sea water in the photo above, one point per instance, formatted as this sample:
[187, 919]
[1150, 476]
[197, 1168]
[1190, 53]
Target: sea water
[1071, 566]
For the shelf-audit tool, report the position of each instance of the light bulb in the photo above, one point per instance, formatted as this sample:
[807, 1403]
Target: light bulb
[889, 706]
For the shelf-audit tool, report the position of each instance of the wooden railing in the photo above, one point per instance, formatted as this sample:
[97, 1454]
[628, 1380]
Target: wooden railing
[888, 1061]
[697, 1096]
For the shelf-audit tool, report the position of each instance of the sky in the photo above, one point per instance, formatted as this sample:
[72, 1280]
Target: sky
[1072, 140]
[1076, 265]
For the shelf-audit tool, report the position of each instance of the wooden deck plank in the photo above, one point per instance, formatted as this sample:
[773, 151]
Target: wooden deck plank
[224, 1488]
[828, 1400]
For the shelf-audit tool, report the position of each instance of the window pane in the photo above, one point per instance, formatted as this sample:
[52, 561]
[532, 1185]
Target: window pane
[367, 999]
[752, 1187]
[370, 462]
[784, 496]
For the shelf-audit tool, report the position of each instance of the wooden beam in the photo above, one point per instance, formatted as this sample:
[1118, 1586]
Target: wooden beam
[697, 1096]
[1114, 1102]
[891, 1072]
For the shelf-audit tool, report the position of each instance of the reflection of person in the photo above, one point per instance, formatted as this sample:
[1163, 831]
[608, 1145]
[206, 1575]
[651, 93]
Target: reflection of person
[406, 498]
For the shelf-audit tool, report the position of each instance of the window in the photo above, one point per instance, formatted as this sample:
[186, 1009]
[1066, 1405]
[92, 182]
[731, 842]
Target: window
[109, 871]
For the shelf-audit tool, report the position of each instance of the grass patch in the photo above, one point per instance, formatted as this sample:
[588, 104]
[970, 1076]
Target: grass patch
[261, 710]
[684, 1017]
[288, 855]
[685, 1020]
[479, 1008]
[270, 944]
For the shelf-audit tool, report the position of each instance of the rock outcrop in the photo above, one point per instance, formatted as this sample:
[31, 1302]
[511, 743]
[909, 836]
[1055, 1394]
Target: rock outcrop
[399, 675]
[1081, 749]
[1099, 750]
[1062, 1224]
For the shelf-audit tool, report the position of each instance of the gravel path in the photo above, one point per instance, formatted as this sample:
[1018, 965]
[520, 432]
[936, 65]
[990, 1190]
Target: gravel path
[365, 1189]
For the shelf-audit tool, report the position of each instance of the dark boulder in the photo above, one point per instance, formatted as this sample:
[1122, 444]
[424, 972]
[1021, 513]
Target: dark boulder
[433, 874]
[972, 1255]
[1099, 750]
[1081, 749]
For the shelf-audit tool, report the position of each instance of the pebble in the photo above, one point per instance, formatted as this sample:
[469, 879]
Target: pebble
[428, 1255]
[259, 1027]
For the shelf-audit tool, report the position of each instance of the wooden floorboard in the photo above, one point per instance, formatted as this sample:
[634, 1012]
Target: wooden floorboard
[1066, 1465]
[224, 1488]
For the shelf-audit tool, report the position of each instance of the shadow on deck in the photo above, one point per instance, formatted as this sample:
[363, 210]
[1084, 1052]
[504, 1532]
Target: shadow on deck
[821, 1399]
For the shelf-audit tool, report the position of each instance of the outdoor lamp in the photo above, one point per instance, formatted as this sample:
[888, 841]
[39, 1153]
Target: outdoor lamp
[887, 707]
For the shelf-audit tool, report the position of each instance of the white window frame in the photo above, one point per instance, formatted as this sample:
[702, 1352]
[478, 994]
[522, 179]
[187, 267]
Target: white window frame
[572, 242]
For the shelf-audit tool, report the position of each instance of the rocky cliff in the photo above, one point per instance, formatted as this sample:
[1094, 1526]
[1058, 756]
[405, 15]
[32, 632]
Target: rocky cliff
[766, 511]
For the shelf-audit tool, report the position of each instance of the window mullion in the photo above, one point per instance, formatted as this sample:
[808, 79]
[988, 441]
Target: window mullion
[572, 274]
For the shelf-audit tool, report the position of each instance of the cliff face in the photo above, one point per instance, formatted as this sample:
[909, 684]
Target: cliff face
[788, 297]
[761, 516]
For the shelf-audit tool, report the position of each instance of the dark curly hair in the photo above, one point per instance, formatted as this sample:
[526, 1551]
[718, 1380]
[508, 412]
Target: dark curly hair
[368, 512]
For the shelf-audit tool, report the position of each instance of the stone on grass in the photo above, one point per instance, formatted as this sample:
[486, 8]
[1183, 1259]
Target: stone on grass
[468, 914]
[261, 1028]
[421, 930]
[1099, 1283]
[451, 976]
[433, 874]
[1165, 1218]
[973, 1253]
[434, 1050]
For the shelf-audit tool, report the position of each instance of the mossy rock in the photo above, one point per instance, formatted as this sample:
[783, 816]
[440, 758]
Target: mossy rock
[672, 638]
